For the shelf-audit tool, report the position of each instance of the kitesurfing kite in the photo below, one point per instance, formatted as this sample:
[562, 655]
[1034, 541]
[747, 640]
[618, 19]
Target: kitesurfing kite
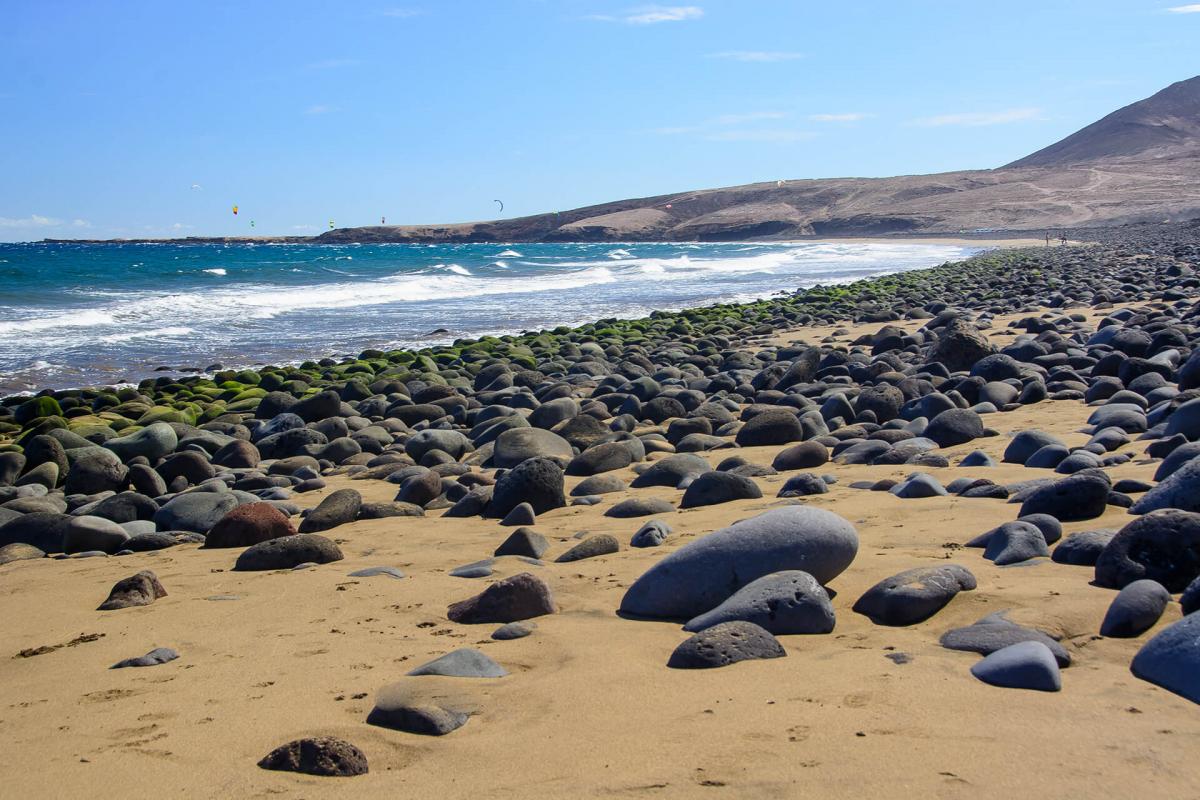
[330, 224]
[501, 202]
[197, 186]
[251, 223]
[235, 211]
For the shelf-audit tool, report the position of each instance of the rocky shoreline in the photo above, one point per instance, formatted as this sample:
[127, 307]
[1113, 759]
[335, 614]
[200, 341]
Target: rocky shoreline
[910, 457]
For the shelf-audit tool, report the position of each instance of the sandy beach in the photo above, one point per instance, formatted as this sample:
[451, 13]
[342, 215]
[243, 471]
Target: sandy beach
[589, 707]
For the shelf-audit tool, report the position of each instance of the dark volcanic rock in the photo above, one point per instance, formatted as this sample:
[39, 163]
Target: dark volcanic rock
[522, 596]
[914, 595]
[725, 644]
[337, 509]
[600, 544]
[141, 589]
[1135, 609]
[1163, 546]
[780, 603]
[288, 552]
[994, 632]
[1171, 659]
[537, 481]
[323, 755]
[1078, 497]
[712, 488]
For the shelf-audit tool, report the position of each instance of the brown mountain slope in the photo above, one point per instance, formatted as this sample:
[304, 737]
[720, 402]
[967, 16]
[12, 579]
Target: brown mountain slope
[1165, 124]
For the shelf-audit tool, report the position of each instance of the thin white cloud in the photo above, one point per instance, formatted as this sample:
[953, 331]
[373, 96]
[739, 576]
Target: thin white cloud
[313, 110]
[334, 63]
[1194, 8]
[979, 119]
[760, 135]
[757, 56]
[851, 117]
[32, 221]
[304, 227]
[652, 15]
[402, 13]
[80, 223]
[179, 226]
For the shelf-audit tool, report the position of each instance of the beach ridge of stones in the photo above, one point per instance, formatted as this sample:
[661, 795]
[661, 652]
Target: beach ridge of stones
[493, 428]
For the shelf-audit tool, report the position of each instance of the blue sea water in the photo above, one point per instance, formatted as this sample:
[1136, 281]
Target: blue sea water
[79, 314]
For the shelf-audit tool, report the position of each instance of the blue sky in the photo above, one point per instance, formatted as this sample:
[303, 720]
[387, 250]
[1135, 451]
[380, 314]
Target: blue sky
[153, 119]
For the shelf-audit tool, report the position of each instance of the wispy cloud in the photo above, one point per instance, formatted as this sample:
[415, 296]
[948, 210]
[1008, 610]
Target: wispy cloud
[179, 226]
[850, 117]
[304, 227]
[652, 15]
[313, 110]
[760, 135]
[1194, 8]
[80, 223]
[32, 221]
[402, 13]
[757, 56]
[982, 118]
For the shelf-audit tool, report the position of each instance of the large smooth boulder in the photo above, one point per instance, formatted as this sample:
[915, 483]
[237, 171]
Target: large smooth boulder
[452, 442]
[1171, 659]
[41, 529]
[1163, 546]
[776, 426]
[518, 444]
[959, 345]
[1026, 443]
[712, 488]
[85, 533]
[197, 512]
[1181, 490]
[1077, 497]
[781, 603]
[537, 481]
[337, 509]
[152, 443]
[249, 524]
[805, 455]
[954, 426]
[672, 471]
[605, 457]
[702, 574]
[914, 595]
[94, 470]
[1135, 609]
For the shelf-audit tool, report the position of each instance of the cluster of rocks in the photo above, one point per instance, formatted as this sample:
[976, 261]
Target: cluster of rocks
[491, 427]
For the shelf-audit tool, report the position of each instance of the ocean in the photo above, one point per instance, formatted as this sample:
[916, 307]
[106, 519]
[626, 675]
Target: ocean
[78, 315]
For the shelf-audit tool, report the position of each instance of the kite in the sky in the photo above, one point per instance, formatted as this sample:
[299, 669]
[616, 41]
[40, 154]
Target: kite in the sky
[235, 211]
[501, 202]
[197, 186]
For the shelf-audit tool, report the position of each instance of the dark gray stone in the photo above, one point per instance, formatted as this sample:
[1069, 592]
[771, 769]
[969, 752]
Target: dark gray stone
[159, 655]
[519, 597]
[725, 644]
[780, 603]
[1135, 609]
[1171, 659]
[288, 552]
[601, 544]
[464, 663]
[1021, 665]
[996, 631]
[914, 595]
[703, 573]
[1163, 546]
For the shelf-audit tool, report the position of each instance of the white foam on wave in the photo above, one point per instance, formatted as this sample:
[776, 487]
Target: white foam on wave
[508, 254]
[458, 270]
[216, 271]
[619, 254]
[73, 319]
[155, 333]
